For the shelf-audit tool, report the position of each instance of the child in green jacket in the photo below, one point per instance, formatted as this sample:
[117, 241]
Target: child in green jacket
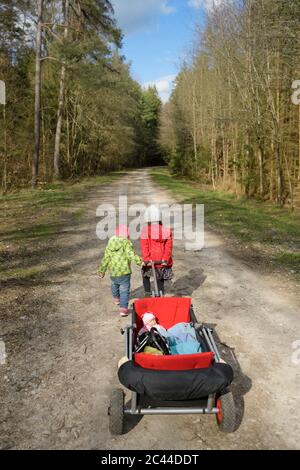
[117, 259]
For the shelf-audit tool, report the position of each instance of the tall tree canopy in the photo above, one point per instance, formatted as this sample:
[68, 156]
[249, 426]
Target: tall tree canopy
[230, 121]
[151, 108]
[93, 116]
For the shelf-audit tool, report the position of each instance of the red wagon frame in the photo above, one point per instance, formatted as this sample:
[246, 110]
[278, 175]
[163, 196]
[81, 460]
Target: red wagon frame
[169, 311]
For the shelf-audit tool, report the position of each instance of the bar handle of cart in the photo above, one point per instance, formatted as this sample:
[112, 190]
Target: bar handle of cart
[156, 291]
[154, 262]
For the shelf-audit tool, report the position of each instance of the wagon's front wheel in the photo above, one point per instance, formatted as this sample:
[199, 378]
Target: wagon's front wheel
[116, 412]
[226, 417]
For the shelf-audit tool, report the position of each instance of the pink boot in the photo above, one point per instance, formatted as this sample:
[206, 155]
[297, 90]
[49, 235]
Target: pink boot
[116, 301]
[124, 312]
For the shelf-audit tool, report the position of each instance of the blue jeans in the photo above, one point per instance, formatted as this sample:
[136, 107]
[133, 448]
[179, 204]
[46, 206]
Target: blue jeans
[120, 288]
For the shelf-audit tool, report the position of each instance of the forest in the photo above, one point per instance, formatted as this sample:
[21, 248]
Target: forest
[231, 122]
[72, 108]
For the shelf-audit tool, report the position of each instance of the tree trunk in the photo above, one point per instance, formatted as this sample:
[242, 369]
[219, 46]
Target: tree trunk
[223, 156]
[4, 180]
[278, 173]
[289, 180]
[68, 141]
[43, 152]
[261, 169]
[213, 161]
[37, 105]
[271, 184]
[61, 98]
[299, 149]
[195, 129]
[235, 157]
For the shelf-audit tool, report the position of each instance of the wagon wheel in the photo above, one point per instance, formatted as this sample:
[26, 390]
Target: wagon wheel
[226, 418]
[116, 411]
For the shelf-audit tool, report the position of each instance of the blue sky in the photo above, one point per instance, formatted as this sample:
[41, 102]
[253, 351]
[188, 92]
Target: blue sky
[157, 36]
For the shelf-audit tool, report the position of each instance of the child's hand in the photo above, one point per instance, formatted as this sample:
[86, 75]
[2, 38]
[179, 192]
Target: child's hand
[101, 275]
[164, 263]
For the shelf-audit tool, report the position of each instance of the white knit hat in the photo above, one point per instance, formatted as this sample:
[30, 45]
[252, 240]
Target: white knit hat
[152, 214]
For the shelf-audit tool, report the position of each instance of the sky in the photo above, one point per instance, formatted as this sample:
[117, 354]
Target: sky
[157, 36]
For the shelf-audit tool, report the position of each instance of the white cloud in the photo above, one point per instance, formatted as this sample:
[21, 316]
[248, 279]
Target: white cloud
[164, 86]
[207, 4]
[140, 15]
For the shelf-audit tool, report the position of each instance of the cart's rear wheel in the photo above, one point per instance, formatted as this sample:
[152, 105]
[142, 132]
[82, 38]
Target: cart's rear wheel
[116, 412]
[226, 418]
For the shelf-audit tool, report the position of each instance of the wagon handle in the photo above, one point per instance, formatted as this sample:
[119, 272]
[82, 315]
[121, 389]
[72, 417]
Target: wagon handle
[153, 264]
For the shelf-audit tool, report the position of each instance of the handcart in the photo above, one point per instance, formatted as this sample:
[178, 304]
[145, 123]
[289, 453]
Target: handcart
[172, 384]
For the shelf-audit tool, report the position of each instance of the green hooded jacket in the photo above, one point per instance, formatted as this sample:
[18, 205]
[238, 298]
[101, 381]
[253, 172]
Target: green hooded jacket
[118, 256]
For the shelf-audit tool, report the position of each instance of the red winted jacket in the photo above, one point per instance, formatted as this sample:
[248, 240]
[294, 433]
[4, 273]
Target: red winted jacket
[157, 244]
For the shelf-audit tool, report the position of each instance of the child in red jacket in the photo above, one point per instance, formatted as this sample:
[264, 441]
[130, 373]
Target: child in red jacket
[156, 245]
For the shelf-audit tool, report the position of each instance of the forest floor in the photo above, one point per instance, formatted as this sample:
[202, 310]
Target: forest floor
[61, 334]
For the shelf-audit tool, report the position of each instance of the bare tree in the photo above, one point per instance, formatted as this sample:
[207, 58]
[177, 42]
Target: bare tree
[37, 105]
[65, 6]
[234, 99]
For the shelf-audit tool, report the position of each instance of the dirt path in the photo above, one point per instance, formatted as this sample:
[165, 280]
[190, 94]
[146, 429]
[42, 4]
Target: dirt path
[63, 344]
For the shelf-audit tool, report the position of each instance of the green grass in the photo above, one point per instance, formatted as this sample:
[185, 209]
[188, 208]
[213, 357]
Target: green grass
[269, 230]
[29, 217]
[57, 194]
[42, 207]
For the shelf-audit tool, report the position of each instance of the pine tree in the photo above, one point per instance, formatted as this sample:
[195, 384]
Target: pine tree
[151, 108]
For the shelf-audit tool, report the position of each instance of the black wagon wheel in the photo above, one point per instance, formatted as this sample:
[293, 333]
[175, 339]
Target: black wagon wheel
[226, 417]
[116, 412]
